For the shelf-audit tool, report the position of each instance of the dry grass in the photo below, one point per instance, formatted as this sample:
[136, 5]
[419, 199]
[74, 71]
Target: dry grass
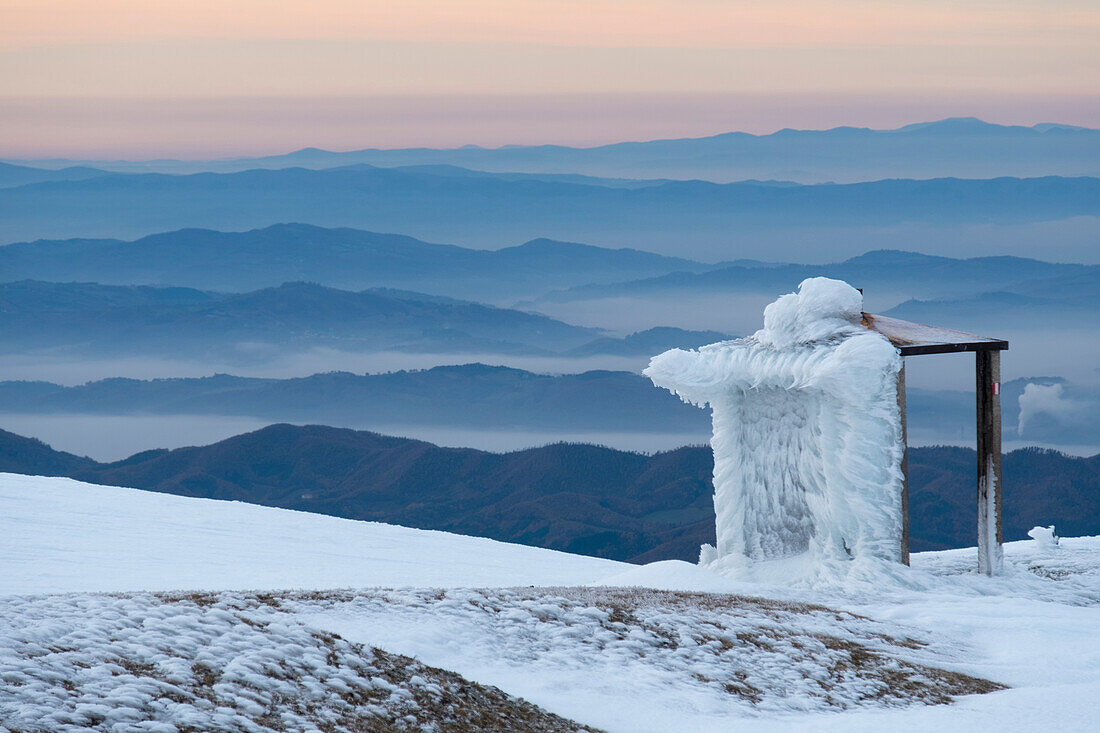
[317, 681]
[870, 661]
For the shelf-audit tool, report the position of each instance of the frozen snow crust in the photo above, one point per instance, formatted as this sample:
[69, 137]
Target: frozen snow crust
[807, 437]
[281, 661]
[229, 662]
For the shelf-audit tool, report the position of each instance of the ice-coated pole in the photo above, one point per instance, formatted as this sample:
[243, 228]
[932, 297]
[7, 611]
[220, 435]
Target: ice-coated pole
[988, 372]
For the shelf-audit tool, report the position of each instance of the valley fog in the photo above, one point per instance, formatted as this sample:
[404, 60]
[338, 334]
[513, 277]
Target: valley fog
[108, 438]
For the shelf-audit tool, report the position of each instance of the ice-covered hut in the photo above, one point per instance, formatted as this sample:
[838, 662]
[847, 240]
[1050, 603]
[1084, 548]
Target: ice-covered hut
[809, 430]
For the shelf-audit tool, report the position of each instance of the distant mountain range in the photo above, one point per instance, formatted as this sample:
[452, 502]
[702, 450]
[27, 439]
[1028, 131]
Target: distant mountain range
[354, 259]
[339, 258]
[958, 147]
[692, 219]
[1049, 300]
[20, 175]
[499, 398]
[87, 319]
[1062, 310]
[650, 342]
[472, 395]
[881, 271]
[577, 498]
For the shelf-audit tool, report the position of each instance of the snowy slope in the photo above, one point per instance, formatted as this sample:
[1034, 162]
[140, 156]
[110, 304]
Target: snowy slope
[613, 659]
[60, 535]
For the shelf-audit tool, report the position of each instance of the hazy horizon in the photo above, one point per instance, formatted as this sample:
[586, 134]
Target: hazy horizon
[130, 80]
[125, 78]
[492, 121]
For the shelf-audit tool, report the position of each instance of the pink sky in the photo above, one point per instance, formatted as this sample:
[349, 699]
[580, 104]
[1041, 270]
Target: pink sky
[140, 78]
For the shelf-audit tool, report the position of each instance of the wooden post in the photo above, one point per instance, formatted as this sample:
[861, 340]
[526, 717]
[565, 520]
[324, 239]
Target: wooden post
[988, 372]
[904, 467]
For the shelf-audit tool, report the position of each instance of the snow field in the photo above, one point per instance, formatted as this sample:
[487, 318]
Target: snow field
[1032, 629]
[271, 661]
[61, 535]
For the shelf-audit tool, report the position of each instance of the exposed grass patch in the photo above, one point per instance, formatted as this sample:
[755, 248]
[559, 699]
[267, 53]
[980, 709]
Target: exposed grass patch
[232, 662]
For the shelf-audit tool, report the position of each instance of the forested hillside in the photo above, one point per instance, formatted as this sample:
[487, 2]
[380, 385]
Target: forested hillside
[578, 498]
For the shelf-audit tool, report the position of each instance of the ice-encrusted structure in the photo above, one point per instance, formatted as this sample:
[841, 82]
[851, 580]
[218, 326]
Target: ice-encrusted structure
[807, 434]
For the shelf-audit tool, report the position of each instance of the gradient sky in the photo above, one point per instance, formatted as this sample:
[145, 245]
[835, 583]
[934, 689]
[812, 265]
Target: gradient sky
[142, 78]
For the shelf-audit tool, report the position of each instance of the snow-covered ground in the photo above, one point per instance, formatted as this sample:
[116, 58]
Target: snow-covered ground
[707, 653]
[59, 535]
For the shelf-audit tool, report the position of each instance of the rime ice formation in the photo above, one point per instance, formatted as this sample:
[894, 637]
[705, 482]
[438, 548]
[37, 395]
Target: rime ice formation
[1045, 537]
[807, 434]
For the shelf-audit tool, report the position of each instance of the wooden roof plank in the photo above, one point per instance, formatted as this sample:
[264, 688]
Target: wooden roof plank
[913, 339]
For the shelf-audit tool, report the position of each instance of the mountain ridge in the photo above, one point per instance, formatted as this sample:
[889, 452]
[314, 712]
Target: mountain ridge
[528, 156]
[887, 268]
[337, 257]
[572, 497]
[676, 218]
[477, 396]
[88, 318]
[468, 395]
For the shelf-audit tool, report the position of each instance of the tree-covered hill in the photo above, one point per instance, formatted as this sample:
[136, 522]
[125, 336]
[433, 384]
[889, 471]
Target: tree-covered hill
[579, 498]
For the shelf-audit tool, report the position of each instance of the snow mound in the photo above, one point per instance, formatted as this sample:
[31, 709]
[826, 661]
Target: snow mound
[203, 662]
[1044, 536]
[807, 436]
[668, 575]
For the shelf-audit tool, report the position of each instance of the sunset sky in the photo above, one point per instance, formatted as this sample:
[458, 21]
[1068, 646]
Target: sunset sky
[141, 78]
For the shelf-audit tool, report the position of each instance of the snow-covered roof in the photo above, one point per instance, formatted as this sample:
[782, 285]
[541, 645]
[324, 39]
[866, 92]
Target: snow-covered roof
[912, 339]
